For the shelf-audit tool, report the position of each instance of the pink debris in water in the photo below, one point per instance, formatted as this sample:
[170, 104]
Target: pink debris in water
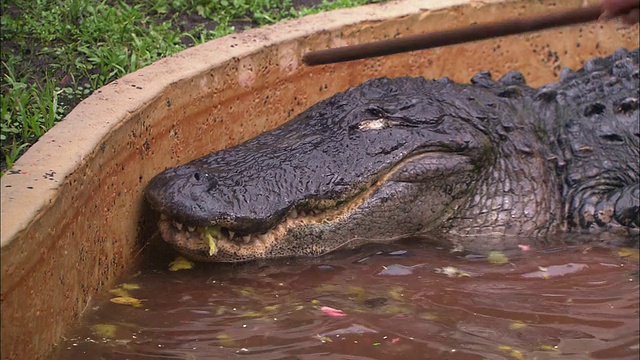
[524, 247]
[395, 340]
[332, 312]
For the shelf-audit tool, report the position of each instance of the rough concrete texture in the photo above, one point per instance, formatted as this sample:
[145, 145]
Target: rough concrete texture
[73, 216]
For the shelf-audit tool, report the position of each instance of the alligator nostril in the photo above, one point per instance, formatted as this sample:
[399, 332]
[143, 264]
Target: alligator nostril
[593, 109]
[615, 138]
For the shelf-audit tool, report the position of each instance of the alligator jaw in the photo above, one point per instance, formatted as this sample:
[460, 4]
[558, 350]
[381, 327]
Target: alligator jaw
[233, 246]
[217, 243]
[193, 242]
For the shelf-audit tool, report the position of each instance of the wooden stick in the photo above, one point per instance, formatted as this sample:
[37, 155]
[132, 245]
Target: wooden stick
[460, 35]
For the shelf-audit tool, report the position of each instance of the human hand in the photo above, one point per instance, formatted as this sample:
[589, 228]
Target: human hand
[613, 8]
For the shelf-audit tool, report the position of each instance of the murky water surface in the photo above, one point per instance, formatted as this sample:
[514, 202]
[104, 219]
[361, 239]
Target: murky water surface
[398, 301]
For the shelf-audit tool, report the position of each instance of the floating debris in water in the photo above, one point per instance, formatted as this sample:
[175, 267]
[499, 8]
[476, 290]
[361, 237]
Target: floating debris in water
[555, 270]
[353, 329]
[130, 286]
[126, 300]
[120, 292]
[105, 330]
[398, 270]
[451, 271]
[180, 263]
[517, 325]
[496, 257]
[549, 348]
[630, 253]
[396, 293]
[398, 253]
[516, 354]
[324, 339]
[332, 312]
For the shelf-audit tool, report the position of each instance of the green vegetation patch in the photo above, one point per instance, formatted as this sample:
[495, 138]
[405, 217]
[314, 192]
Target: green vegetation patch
[56, 53]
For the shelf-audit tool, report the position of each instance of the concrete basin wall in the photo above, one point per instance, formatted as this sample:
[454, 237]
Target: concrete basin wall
[73, 216]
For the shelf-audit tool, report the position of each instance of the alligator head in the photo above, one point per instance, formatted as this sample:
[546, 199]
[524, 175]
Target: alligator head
[487, 163]
[385, 160]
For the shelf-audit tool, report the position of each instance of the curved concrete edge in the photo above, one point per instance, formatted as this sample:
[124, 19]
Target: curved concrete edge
[83, 128]
[73, 217]
[60, 151]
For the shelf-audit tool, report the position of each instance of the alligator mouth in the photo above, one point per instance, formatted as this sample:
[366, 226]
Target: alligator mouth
[221, 243]
[207, 242]
[224, 244]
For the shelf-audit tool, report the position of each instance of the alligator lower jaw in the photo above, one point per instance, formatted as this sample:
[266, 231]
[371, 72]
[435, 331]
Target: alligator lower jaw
[195, 242]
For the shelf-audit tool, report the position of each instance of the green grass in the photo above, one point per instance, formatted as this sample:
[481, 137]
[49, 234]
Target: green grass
[56, 53]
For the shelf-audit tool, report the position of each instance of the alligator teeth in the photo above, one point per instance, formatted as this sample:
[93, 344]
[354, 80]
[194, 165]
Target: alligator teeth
[302, 213]
[262, 237]
[177, 225]
[191, 228]
[231, 234]
[293, 214]
[246, 239]
[313, 212]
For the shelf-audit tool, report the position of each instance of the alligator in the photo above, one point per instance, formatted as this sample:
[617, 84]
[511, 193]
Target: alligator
[477, 165]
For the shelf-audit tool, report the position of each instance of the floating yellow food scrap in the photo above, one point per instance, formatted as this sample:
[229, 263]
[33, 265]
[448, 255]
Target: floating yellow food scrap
[315, 302]
[126, 300]
[324, 339]
[104, 330]
[180, 263]
[247, 292]
[252, 314]
[270, 308]
[496, 257]
[324, 288]
[357, 293]
[451, 271]
[211, 234]
[129, 286]
[225, 340]
[516, 325]
[631, 253]
[549, 348]
[396, 293]
[516, 354]
[544, 272]
[221, 311]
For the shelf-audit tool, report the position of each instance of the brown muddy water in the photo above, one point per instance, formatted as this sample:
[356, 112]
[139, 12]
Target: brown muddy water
[405, 300]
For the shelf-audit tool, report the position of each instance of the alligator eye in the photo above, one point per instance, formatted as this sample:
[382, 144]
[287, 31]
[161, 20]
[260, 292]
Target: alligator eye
[376, 124]
[627, 105]
[197, 176]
